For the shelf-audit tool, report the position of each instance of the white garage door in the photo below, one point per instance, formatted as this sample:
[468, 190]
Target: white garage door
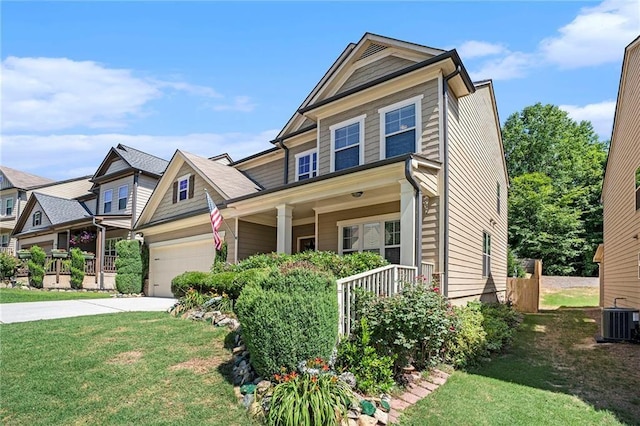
[171, 258]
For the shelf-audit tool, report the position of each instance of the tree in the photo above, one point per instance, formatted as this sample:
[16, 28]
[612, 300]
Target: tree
[540, 142]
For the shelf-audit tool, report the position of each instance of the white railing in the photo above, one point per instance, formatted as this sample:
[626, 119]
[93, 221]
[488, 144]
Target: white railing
[427, 271]
[7, 250]
[383, 282]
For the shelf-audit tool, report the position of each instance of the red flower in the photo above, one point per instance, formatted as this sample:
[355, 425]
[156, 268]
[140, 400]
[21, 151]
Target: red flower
[436, 289]
[325, 367]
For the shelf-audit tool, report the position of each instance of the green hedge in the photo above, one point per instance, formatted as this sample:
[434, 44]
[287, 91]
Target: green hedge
[288, 317]
[77, 268]
[128, 267]
[36, 266]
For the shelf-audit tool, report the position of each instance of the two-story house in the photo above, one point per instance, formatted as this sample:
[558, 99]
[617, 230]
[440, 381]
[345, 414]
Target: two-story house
[100, 216]
[395, 151]
[17, 187]
[619, 256]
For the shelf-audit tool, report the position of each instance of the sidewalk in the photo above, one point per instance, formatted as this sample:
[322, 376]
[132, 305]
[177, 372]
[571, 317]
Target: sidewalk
[34, 311]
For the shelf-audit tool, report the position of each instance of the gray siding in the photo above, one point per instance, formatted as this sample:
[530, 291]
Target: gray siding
[430, 132]
[146, 185]
[431, 232]
[116, 166]
[328, 228]
[292, 157]
[475, 169]
[166, 208]
[268, 175]
[375, 70]
[5, 182]
[621, 219]
[254, 238]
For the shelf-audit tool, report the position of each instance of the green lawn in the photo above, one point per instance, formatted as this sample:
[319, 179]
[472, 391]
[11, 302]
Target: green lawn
[15, 295]
[569, 297]
[554, 374]
[127, 368]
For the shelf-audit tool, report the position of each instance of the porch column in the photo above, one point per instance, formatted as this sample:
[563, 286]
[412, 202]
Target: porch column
[284, 228]
[407, 224]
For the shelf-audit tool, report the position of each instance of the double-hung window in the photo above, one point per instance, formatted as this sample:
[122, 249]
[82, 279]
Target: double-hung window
[347, 143]
[376, 234]
[400, 126]
[36, 219]
[306, 165]
[486, 254]
[107, 198]
[110, 246]
[183, 188]
[123, 193]
[9, 207]
[4, 241]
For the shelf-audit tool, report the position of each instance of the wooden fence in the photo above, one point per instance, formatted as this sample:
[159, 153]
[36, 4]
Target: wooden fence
[524, 293]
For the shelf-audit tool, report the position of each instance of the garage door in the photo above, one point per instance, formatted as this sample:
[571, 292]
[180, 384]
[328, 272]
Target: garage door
[169, 259]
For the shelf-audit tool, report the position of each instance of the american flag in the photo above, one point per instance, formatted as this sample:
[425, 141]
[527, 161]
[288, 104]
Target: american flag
[216, 221]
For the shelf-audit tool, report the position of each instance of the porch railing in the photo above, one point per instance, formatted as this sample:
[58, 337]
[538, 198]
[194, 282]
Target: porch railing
[110, 263]
[427, 269]
[385, 281]
[7, 250]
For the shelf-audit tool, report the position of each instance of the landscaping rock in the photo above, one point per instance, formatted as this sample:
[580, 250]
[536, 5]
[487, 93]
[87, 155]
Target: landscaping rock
[223, 321]
[381, 417]
[367, 407]
[245, 389]
[385, 405]
[247, 400]
[367, 421]
[348, 378]
[239, 349]
[262, 386]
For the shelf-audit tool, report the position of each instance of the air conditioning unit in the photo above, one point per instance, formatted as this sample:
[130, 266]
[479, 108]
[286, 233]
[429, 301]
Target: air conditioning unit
[619, 324]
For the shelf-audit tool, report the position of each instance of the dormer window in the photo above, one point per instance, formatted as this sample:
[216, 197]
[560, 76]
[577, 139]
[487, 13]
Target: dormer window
[347, 143]
[183, 188]
[123, 193]
[36, 219]
[107, 198]
[9, 207]
[399, 128]
[306, 165]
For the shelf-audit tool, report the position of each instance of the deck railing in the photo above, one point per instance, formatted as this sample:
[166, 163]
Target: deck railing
[110, 263]
[7, 250]
[427, 271]
[383, 282]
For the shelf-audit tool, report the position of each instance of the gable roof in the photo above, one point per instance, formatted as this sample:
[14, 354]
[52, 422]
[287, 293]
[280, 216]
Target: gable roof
[23, 180]
[135, 159]
[57, 210]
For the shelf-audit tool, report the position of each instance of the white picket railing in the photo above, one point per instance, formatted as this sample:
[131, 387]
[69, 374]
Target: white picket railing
[383, 282]
[427, 271]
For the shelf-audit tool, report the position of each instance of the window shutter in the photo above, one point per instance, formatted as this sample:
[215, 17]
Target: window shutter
[192, 180]
[175, 192]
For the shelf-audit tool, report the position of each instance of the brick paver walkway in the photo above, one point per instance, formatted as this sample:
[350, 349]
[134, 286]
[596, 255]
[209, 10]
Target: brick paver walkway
[415, 392]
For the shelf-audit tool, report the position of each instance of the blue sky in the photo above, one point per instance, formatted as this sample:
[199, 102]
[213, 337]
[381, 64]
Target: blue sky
[213, 77]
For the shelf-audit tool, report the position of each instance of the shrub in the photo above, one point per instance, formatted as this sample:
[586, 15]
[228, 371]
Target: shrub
[307, 399]
[413, 325]
[244, 278]
[470, 340]
[191, 279]
[514, 268]
[128, 267]
[356, 263]
[262, 261]
[374, 373]
[288, 317]
[222, 283]
[36, 266]
[220, 261]
[499, 322]
[8, 265]
[77, 268]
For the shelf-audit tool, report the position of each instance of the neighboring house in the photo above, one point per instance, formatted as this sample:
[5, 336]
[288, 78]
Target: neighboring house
[17, 186]
[395, 151]
[619, 257]
[100, 216]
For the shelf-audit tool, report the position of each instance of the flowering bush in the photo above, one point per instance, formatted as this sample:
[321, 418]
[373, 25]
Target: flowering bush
[83, 237]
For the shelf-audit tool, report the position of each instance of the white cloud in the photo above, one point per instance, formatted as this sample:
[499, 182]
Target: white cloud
[52, 94]
[599, 114]
[513, 65]
[240, 103]
[84, 153]
[596, 36]
[476, 49]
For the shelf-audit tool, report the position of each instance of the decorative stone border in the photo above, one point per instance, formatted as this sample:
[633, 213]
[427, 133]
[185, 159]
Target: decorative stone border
[417, 389]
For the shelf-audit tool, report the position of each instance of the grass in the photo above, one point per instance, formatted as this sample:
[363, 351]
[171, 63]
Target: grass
[15, 295]
[569, 297]
[554, 374]
[126, 368]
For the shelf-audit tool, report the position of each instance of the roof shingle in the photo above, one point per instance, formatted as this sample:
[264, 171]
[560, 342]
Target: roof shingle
[23, 180]
[60, 210]
[141, 160]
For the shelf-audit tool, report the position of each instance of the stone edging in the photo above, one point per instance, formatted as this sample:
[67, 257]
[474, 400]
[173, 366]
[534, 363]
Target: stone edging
[417, 389]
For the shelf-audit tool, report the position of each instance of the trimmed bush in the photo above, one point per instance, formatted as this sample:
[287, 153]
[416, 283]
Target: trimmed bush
[77, 268]
[499, 322]
[259, 261]
[196, 280]
[128, 267]
[244, 278]
[8, 265]
[288, 317]
[36, 266]
[470, 340]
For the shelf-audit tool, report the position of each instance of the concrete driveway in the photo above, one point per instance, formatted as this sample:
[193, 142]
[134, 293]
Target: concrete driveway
[34, 311]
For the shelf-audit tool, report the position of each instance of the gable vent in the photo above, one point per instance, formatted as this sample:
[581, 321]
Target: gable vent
[372, 49]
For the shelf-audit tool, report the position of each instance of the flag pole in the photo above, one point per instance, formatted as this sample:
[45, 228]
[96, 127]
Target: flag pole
[225, 222]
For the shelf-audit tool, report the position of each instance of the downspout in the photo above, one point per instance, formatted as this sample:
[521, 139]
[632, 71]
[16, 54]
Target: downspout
[408, 173]
[445, 139]
[134, 202]
[103, 233]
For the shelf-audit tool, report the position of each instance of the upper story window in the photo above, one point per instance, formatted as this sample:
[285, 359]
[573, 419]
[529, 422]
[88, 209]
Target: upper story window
[123, 193]
[486, 254]
[375, 234]
[9, 207]
[107, 198]
[347, 143]
[399, 128]
[306, 165]
[36, 219]
[183, 188]
[638, 188]
[4, 240]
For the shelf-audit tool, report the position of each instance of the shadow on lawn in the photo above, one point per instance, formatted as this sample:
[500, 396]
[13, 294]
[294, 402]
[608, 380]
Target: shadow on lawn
[556, 351]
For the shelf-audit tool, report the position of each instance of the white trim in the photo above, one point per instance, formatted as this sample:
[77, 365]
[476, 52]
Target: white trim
[126, 186]
[180, 240]
[417, 101]
[368, 219]
[441, 116]
[360, 120]
[305, 237]
[181, 178]
[309, 152]
[361, 222]
[104, 196]
[318, 145]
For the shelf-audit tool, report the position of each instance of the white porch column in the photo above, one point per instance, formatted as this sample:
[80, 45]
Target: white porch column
[284, 228]
[407, 224]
